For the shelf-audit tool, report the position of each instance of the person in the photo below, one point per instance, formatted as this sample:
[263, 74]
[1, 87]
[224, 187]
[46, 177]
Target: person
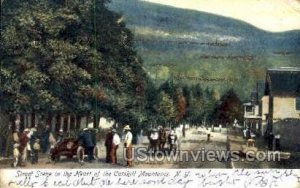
[172, 140]
[88, 140]
[45, 139]
[60, 136]
[35, 151]
[115, 144]
[220, 127]
[34, 145]
[16, 154]
[108, 145]
[270, 141]
[52, 141]
[277, 142]
[162, 138]
[9, 141]
[23, 140]
[248, 134]
[128, 145]
[154, 140]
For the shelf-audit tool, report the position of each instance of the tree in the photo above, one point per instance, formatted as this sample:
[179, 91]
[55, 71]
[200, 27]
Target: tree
[69, 57]
[165, 107]
[230, 108]
[180, 105]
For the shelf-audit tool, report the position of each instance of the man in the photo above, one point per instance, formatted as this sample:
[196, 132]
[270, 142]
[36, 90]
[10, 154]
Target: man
[34, 143]
[108, 145]
[60, 136]
[45, 139]
[23, 140]
[115, 144]
[154, 140]
[270, 141]
[162, 138]
[128, 145]
[88, 140]
[172, 139]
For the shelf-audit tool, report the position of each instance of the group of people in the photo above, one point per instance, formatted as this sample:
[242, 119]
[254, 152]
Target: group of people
[28, 143]
[158, 138]
[112, 142]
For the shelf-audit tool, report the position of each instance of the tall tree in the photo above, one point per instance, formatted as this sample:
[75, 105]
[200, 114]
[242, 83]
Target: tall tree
[231, 108]
[69, 56]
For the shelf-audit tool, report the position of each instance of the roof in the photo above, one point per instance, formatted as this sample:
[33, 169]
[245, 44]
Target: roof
[283, 81]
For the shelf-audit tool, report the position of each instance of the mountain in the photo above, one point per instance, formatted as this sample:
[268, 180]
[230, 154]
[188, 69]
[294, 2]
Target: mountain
[192, 46]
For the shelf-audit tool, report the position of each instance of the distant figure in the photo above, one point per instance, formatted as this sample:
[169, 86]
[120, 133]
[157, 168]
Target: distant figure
[172, 140]
[60, 136]
[115, 144]
[34, 145]
[270, 141]
[45, 139]
[23, 140]
[248, 134]
[108, 145]
[154, 139]
[208, 137]
[52, 141]
[277, 142]
[35, 151]
[162, 138]
[220, 127]
[128, 145]
[16, 154]
[183, 131]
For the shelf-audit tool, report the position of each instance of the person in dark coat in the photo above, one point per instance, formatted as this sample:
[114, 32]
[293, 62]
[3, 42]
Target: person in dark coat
[270, 141]
[88, 140]
[108, 145]
[45, 139]
[248, 134]
[277, 142]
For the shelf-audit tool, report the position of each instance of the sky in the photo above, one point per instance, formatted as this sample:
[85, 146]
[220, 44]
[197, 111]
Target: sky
[269, 15]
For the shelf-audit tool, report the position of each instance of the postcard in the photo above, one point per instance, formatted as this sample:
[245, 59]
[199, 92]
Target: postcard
[131, 93]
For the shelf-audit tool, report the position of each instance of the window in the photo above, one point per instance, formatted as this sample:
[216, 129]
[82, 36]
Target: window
[298, 103]
[250, 109]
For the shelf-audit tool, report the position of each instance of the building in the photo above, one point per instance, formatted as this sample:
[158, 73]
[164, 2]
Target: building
[280, 110]
[252, 110]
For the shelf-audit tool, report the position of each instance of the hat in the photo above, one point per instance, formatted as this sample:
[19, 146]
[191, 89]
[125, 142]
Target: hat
[127, 127]
[61, 130]
[16, 145]
[85, 129]
[90, 125]
[154, 130]
[33, 129]
[114, 130]
[26, 130]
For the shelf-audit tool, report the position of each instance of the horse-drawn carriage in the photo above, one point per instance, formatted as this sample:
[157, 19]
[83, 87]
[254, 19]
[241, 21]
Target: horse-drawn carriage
[69, 148]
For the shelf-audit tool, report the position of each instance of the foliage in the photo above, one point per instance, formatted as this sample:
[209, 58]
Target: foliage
[230, 108]
[69, 56]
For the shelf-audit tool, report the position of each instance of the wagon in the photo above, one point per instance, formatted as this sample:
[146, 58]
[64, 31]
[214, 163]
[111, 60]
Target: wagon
[69, 148]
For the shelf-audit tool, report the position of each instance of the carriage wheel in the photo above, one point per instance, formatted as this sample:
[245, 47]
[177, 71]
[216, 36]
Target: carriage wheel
[80, 154]
[96, 152]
